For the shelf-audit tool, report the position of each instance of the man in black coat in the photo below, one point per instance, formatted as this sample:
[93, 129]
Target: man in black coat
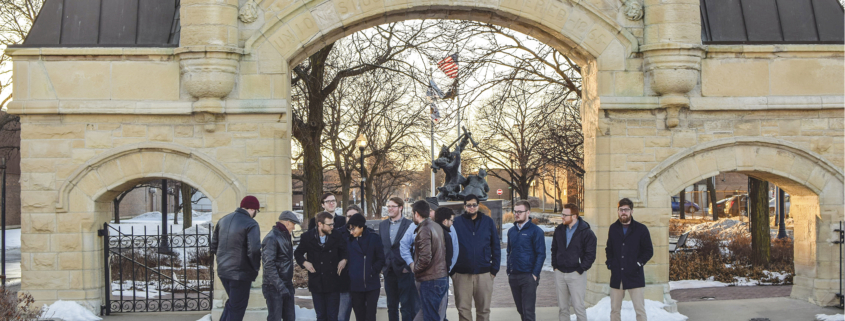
[628, 250]
[277, 256]
[398, 278]
[236, 242]
[323, 254]
[573, 253]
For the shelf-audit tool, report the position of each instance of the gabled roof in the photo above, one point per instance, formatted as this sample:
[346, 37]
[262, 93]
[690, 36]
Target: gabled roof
[772, 22]
[105, 23]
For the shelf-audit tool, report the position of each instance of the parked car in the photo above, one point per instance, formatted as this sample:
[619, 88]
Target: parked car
[736, 205]
[689, 207]
[773, 205]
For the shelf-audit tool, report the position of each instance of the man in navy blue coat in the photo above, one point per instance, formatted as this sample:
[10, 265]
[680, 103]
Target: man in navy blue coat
[526, 254]
[628, 250]
[479, 259]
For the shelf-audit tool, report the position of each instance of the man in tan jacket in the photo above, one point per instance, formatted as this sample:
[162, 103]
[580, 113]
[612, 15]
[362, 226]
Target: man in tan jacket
[429, 262]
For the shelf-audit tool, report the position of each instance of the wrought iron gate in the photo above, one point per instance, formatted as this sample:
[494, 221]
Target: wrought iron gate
[840, 241]
[147, 273]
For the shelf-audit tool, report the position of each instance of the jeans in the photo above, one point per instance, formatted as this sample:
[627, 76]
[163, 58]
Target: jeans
[524, 291]
[278, 307]
[400, 290]
[431, 293]
[325, 304]
[365, 304]
[238, 292]
[345, 308]
[444, 303]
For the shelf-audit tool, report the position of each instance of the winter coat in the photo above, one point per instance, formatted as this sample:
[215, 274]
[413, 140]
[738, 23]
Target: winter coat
[526, 249]
[580, 255]
[627, 254]
[366, 259]
[237, 244]
[277, 256]
[392, 258]
[429, 252]
[480, 247]
[324, 258]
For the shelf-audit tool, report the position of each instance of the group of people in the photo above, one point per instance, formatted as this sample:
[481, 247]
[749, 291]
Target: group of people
[346, 260]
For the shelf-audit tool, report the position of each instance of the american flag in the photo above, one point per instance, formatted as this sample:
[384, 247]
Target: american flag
[449, 65]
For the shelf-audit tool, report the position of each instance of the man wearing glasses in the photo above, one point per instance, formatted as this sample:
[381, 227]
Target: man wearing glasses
[526, 254]
[329, 204]
[323, 254]
[479, 258]
[398, 276]
[573, 253]
[628, 249]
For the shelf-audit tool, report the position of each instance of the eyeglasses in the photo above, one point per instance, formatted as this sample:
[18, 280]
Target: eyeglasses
[521, 212]
[330, 202]
[393, 206]
[624, 210]
[471, 205]
[329, 225]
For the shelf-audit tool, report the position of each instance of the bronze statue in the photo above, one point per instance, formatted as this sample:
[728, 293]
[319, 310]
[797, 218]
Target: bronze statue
[450, 163]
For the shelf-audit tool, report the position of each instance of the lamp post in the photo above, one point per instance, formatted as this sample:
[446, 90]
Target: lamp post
[362, 144]
[3, 218]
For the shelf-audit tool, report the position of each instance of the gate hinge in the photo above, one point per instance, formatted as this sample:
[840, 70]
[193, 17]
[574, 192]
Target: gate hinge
[101, 232]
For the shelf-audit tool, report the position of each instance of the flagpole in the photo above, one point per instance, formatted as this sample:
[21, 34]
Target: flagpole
[432, 142]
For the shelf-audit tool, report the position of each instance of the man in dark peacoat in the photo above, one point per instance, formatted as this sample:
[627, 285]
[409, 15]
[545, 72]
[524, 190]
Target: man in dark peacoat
[628, 250]
[324, 255]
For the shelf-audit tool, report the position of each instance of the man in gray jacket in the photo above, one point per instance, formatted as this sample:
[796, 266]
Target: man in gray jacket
[237, 244]
[277, 256]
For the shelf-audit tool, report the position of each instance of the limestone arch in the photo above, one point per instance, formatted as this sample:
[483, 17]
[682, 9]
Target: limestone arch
[104, 176]
[578, 28]
[816, 187]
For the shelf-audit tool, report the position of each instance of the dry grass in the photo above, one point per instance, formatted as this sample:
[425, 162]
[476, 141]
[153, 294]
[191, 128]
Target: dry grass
[724, 259]
[300, 277]
[18, 306]
[507, 218]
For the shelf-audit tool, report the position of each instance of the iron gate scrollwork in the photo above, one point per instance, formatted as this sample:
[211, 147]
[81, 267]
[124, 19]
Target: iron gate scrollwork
[144, 274]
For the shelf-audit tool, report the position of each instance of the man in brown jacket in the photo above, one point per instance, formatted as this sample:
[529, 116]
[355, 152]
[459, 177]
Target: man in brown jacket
[429, 262]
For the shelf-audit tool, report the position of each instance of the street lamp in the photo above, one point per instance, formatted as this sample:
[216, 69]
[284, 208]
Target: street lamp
[362, 144]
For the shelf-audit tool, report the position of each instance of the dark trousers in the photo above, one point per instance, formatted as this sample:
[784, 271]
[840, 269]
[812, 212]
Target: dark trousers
[238, 292]
[326, 305]
[400, 290]
[278, 307]
[524, 291]
[431, 294]
[364, 305]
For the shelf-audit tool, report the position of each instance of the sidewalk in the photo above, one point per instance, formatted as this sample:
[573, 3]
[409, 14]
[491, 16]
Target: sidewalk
[775, 309]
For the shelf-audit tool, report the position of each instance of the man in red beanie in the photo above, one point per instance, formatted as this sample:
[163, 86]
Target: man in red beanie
[235, 267]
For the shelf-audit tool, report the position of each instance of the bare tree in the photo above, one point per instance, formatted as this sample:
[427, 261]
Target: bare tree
[315, 79]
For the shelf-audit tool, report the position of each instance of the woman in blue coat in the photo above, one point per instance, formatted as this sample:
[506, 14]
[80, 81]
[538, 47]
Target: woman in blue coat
[366, 259]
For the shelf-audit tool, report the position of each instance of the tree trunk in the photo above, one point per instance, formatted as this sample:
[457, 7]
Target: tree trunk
[312, 179]
[695, 199]
[187, 206]
[116, 210]
[682, 202]
[345, 188]
[711, 191]
[758, 214]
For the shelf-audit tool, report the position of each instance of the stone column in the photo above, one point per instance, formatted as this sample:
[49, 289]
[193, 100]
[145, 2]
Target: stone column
[208, 51]
[672, 52]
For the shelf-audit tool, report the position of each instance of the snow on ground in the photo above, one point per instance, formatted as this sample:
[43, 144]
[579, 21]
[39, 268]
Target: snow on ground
[69, 311]
[727, 228]
[828, 317]
[743, 281]
[131, 289]
[696, 284]
[305, 314]
[13, 239]
[654, 310]
[207, 317]
[151, 221]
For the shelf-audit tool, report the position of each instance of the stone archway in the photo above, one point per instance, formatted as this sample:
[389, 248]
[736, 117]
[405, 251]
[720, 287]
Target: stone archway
[814, 183]
[84, 204]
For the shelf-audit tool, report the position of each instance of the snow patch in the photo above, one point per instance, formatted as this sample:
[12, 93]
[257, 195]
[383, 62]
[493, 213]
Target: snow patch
[207, 317]
[654, 310]
[13, 239]
[69, 311]
[305, 314]
[828, 317]
[696, 284]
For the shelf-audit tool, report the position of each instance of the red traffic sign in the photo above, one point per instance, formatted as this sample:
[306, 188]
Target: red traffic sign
[499, 191]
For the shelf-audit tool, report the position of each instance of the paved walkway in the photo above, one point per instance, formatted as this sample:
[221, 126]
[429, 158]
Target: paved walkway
[731, 293]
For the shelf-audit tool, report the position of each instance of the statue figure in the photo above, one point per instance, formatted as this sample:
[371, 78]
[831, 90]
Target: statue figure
[476, 185]
[449, 162]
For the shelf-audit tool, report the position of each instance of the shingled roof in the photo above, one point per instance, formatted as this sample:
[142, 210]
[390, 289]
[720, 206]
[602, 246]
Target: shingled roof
[106, 23]
[772, 22]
